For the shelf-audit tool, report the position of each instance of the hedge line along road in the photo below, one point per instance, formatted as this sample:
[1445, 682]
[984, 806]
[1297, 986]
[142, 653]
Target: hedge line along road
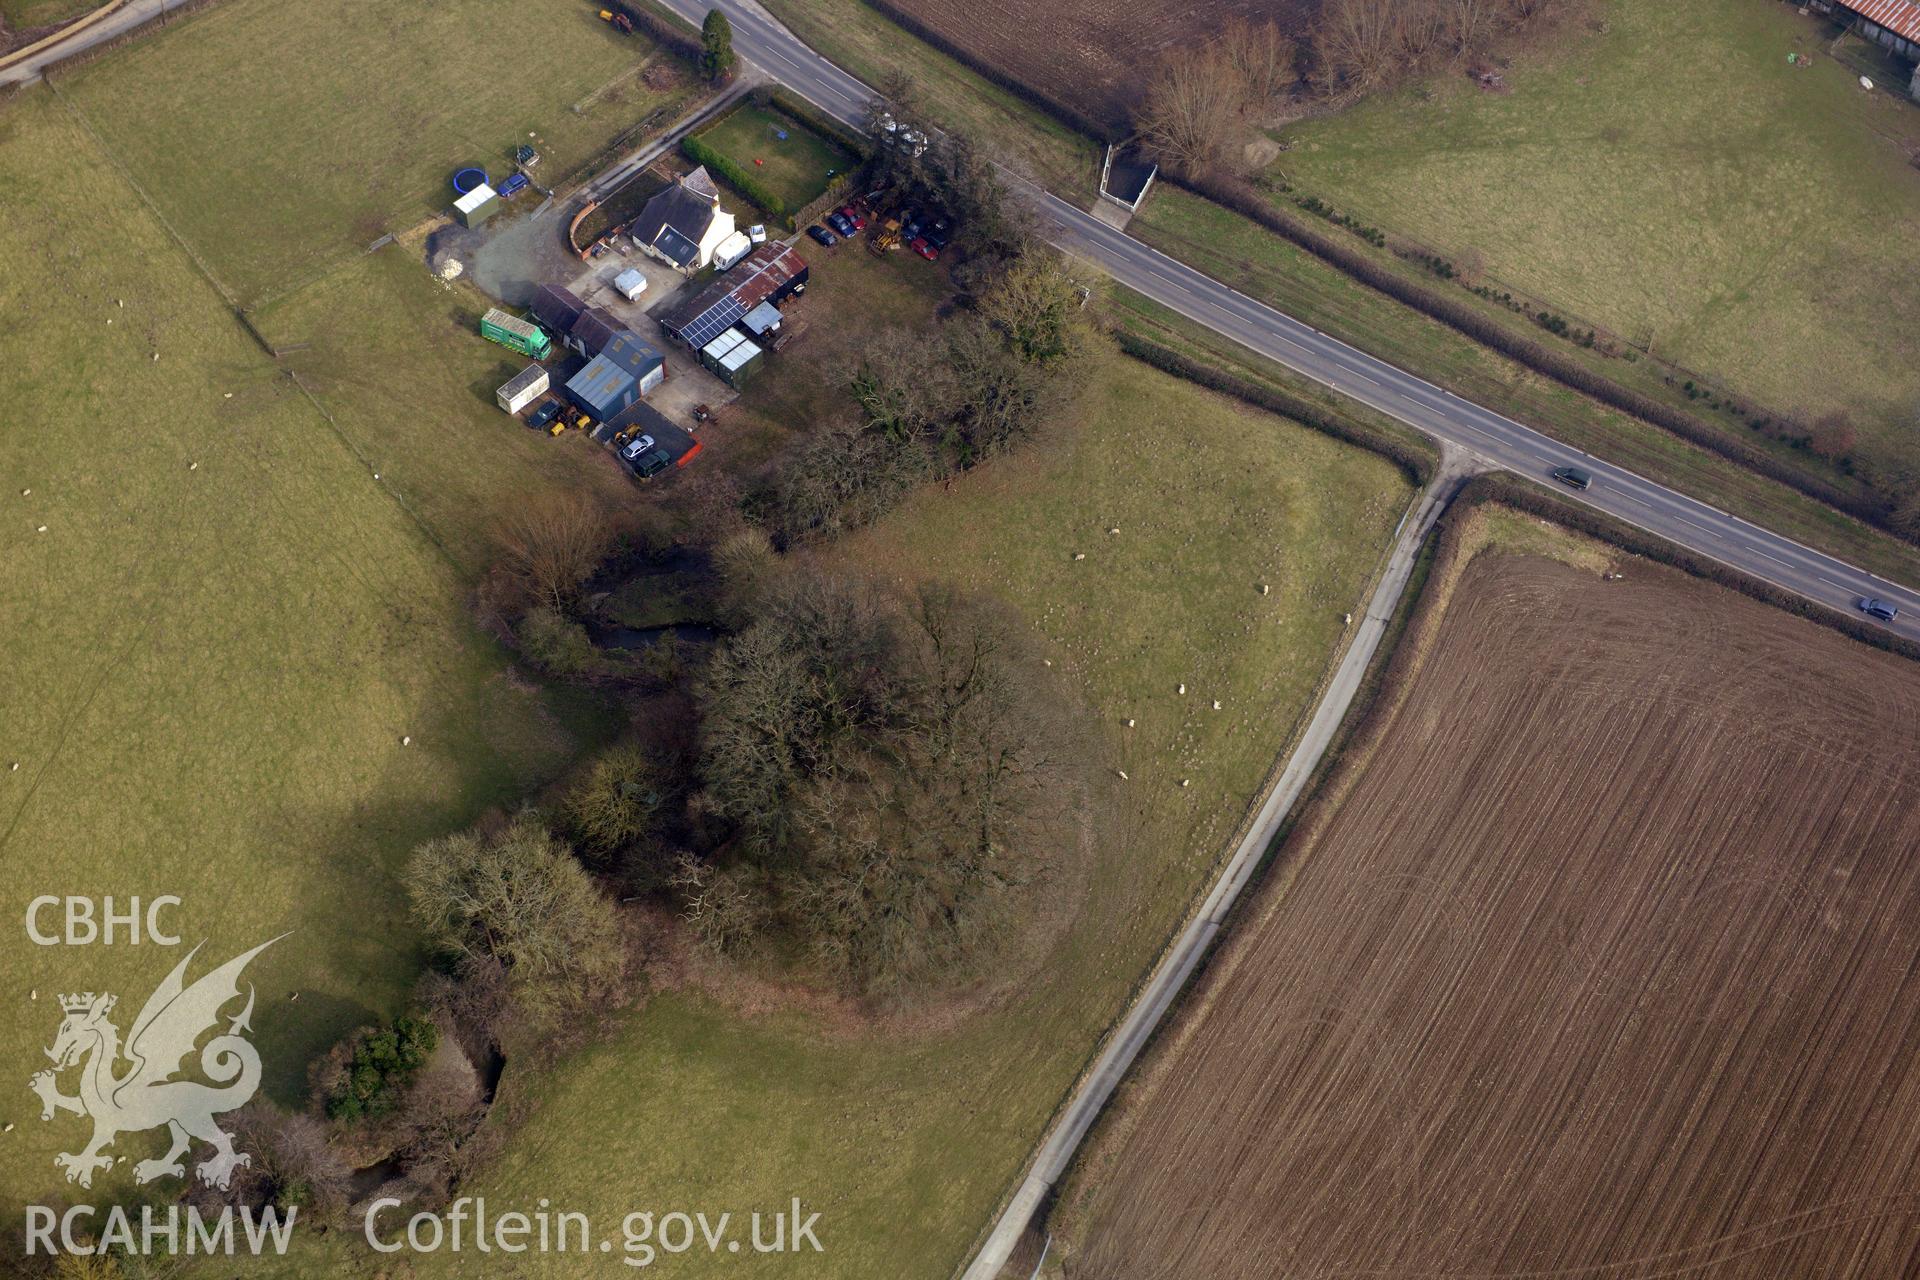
[762, 40]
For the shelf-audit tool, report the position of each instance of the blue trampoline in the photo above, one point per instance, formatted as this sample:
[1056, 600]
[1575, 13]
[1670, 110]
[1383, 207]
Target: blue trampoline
[467, 179]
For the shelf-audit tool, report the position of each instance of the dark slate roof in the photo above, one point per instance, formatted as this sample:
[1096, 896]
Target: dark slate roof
[676, 248]
[556, 307]
[595, 328]
[679, 207]
[630, 353]
[760, 275]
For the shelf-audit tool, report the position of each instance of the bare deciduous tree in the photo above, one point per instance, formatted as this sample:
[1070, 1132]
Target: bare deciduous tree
[1193, 113]
[550, 546]
[521, 898]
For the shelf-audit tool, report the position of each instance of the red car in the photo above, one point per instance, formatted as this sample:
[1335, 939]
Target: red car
[925, 250]
[852, 215]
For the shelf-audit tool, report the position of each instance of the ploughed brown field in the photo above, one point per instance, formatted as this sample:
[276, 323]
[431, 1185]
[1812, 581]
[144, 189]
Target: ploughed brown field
[1606, 968]
[1093, 55]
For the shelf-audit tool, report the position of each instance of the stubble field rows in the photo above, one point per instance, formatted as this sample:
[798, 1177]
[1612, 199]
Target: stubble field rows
[1604, 967]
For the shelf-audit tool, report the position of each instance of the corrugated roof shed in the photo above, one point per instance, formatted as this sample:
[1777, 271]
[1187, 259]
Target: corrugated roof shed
[603, 388]
[594, 329]
[1902, 17]
[762, 320]
[767, 271]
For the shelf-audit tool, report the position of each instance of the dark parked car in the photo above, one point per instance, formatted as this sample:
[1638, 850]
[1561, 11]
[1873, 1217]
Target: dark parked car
[652, 464]
[1573, 477]
[838, 221]
[824, 237]
[925, 250]
[1876, 608]
[939, 233]
[546, 412]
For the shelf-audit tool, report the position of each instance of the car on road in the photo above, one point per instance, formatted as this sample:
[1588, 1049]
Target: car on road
[823, 237]
[925, 250]
[651, 463]
[853, 215]
[633, 449]
[1573, 477]
[838, 221]
[1874, 607]
[546, 412]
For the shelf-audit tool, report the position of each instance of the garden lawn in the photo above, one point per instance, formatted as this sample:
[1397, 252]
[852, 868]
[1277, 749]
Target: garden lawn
[277, 139]
[795, 169]
[902, 1138]
[213, 652]
[1674, 179]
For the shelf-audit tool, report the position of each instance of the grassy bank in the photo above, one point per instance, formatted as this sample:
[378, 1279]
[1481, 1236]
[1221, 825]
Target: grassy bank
[215, 648]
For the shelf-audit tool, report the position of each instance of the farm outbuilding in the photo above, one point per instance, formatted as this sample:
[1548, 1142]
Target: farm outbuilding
[557, 308]
[523, 389]
[476, 206]
[762, 320]
[771, 273]
[1894, 25]
[624, 371]
[593, 330]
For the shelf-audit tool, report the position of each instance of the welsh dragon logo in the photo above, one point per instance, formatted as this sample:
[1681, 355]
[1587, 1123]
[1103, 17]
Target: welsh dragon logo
[146, 1095]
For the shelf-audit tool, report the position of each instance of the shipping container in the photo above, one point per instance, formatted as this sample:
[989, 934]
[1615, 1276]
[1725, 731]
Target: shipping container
[526, 386]
[732, 357]
[515, 334]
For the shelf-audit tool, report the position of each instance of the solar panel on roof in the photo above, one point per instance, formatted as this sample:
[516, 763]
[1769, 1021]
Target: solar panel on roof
[709, 324]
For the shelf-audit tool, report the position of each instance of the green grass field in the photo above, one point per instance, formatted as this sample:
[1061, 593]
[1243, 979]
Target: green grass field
[904, 1137]
[1675, 180]
[278, 140]
[216, 647]
[1262, 265]
[796, 169]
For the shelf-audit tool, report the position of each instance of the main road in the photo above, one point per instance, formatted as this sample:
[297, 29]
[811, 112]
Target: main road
[1436, 413]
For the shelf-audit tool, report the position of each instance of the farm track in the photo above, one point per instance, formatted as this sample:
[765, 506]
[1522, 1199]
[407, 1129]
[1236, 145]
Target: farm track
[1604, 969]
